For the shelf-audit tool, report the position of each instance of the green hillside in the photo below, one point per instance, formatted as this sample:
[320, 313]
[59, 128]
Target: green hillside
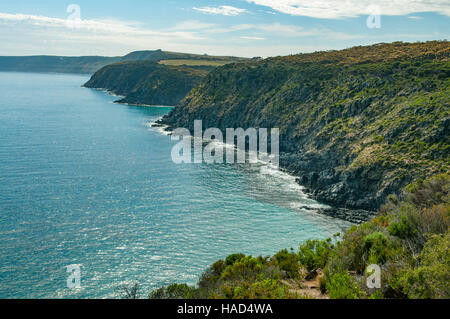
[356, 125]
[147, 82]
[156, 77]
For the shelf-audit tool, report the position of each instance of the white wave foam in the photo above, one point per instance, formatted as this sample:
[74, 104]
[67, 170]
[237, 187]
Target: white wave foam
[160, 128]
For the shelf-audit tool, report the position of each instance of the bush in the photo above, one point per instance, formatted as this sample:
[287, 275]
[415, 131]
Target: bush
[211, 276]
[129, 291]
[402, 228]
[378, 246]
[230, 260]
[175, 291]
[265, 289]
[433, 191]
[424, 210]
[314, 254]
[323, 285]
[342, 286]
[243, 269]
[431, 278]
[288, 263]
[376, 295]
[413, 224]
[352, 253]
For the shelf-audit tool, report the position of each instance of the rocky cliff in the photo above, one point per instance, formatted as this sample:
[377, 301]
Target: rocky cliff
[147, 82]
[356, 125]
[156, 77]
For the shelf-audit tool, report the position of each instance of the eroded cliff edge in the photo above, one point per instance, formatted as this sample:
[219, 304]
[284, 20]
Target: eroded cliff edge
[355, 125]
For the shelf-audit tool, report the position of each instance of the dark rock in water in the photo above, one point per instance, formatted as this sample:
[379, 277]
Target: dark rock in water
[354, 216]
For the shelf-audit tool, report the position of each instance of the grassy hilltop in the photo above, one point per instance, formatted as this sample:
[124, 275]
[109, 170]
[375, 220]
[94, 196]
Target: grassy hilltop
[162, 78]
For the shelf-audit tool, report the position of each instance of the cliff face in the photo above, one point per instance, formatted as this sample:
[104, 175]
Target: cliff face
[356, 125]
[147, 82]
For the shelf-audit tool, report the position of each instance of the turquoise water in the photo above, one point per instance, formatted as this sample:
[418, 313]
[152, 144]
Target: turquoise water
[85, 181]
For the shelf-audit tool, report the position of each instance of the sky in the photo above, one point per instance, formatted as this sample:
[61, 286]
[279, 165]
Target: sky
[247, 28]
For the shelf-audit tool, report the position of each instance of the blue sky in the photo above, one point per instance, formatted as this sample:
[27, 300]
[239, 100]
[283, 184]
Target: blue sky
[217, 27]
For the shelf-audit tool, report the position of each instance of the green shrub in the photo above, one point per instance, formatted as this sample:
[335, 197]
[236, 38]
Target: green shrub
[243, 269]
[211, 276]
[175, 291]
[264, 289]
[288, 262]
[314, 254]
[402, 228]
[432, 191]
[231, 259]
[431, 278]
[413, 224]
[378, 247]
[378, 294]
[352, 253]
[424, 210]
[342, 286]
[323, 284]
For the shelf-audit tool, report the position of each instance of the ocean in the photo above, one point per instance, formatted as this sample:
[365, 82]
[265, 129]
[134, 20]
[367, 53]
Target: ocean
[87, 182]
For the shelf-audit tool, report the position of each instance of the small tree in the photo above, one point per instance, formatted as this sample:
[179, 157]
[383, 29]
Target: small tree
[129, 291]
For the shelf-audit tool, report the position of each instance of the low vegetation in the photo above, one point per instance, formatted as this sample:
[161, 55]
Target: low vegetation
[212, 63]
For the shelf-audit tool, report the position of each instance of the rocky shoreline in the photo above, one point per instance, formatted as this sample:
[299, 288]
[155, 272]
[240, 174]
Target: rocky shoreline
[353, 215]
[325, 187]
[353, 131]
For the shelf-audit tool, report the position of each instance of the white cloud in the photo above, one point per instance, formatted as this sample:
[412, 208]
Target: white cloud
[193, 25]
[287, 31]
[222, 10]
[253, 38]
[22, 34]
[415, 17]
[86, 25]
[233, 28]
[334, 9]
[99, 27]
[56, 30]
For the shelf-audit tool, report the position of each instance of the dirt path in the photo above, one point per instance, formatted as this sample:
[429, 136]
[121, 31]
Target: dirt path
[307, 288]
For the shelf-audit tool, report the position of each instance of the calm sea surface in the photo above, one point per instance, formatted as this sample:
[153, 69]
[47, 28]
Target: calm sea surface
[88, 182]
